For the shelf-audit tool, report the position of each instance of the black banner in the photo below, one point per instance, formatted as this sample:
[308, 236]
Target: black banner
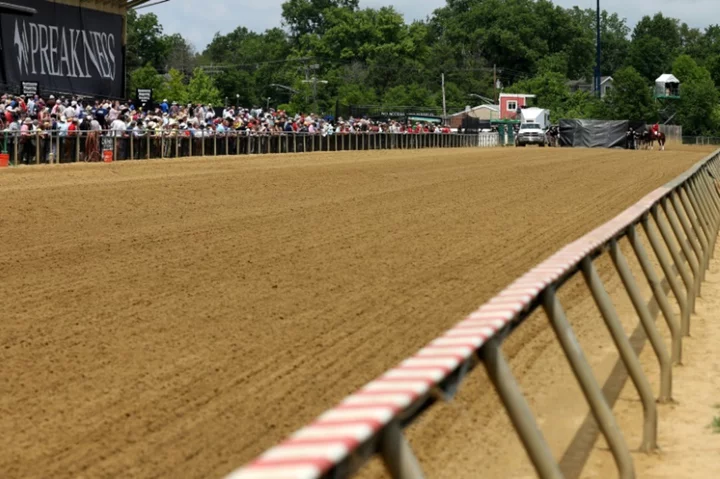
[65, 48]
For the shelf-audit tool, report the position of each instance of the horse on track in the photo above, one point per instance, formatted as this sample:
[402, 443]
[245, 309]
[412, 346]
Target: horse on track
[647, 140]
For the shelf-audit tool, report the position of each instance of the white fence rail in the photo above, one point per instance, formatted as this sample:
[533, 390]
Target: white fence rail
[684, 214]
[48, 147]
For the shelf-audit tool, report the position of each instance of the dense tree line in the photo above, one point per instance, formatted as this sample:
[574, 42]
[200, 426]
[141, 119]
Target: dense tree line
[373, 57]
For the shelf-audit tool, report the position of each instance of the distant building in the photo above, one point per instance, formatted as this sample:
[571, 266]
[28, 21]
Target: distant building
[481, 112]
[511, 104]
[606, 85]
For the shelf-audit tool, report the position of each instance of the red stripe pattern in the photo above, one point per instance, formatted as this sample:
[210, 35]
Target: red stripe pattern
[335, 435]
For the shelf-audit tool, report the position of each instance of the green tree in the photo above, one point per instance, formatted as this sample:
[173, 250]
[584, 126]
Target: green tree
[686, 69]
[614, 34]
[308, 16]
[202, 89]
[238, 86]
[551, 92]
[175, 87]
[699, 98]
[656, 41]
[145, 41]
[631, 97]
[582, 104]
[146, 77]
[181, 55]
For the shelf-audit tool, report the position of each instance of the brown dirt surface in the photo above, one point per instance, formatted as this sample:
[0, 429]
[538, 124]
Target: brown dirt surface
[689, 427]
[176, 318]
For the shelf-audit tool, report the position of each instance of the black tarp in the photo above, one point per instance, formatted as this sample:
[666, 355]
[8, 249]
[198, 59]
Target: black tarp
[594, 133]
[66, 49]
[638, 126]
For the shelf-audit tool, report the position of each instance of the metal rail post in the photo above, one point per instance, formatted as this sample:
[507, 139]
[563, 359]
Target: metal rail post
[710, 197]
[710, 192]
[627, 354]
[695, 213]
[702, 194]
[691, 235]
[591, 389]
[16, 142]
[656, 285]
[517, 408]
[398, 455]
[684, 246]
[76, 138]
[691, 213]
[680, 266]
[657, 247]
[37, 147]
[713, 195]
[665, 360]
[706, 220]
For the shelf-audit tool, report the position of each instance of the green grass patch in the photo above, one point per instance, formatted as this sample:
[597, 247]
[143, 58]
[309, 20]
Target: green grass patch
[715, 425]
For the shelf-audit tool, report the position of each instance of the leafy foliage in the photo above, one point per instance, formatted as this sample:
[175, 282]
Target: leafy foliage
[631, 97]
[372, 56]
[202, 89]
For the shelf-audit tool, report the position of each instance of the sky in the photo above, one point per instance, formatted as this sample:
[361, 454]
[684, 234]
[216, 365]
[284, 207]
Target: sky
[199, 20]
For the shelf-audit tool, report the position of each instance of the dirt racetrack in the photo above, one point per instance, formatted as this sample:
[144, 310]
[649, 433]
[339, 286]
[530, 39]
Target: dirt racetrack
[176, 318]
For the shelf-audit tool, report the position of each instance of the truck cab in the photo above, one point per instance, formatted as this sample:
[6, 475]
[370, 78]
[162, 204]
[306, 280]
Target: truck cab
[531, 134]
[533, 127]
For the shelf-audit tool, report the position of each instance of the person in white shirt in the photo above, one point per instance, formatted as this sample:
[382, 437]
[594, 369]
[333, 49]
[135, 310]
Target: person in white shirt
[70, 112]
[118, 127]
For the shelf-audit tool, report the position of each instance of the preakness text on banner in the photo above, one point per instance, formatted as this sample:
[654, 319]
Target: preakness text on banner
[65, 49]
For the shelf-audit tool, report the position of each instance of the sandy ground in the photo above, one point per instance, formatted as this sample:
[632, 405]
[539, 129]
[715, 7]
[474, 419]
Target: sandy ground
[176, 318]
[689, 444]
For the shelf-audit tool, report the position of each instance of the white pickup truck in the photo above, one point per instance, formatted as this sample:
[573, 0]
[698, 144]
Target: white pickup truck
[533, 127]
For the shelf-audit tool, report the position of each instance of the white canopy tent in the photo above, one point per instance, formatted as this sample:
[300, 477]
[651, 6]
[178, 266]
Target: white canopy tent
[667, 85]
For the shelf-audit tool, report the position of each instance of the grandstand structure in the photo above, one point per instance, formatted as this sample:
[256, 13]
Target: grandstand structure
[102, 17]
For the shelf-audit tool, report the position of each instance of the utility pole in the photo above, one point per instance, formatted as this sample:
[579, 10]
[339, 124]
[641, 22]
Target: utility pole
[494, 84]
[598, 80]
[442, 79]
[314, 80]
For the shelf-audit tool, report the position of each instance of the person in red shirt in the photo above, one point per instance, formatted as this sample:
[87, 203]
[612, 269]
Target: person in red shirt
[655, 130]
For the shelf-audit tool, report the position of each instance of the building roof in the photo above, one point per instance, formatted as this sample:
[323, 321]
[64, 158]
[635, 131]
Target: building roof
[117, 5]
[495, 108]
[667, 78]
[516, 95]
[15, 9]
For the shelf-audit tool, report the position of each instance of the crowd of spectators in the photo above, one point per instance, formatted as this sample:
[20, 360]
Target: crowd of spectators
[30, 118]
[124, 118]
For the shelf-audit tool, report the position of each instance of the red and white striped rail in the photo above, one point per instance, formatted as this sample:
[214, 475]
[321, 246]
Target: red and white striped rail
[336, 434]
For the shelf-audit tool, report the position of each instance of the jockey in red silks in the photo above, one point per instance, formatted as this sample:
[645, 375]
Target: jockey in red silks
[655, 130]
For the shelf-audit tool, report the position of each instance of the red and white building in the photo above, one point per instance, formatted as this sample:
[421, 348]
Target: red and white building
[511, 104]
